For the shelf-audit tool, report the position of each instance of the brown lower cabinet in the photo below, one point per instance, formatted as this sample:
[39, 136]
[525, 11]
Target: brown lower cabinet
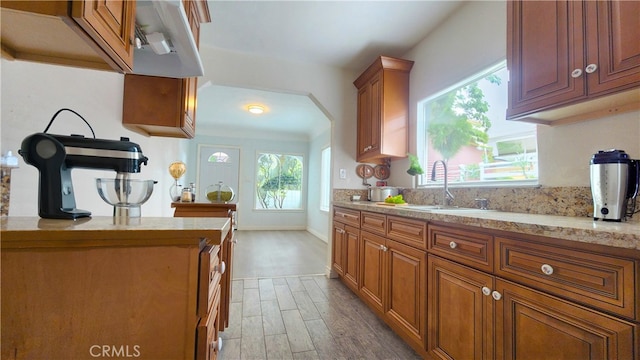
[393, 283]
[466, 303]
[475, 293]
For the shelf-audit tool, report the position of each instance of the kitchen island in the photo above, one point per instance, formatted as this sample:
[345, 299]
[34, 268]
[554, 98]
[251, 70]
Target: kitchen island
[96, 287]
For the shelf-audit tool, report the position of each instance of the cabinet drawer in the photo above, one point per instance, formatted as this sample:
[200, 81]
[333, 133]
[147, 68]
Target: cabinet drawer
[347, 216]
[211, 269]
[607, 283]
[373, 222]
[407, 231]
[208, 343]
[463, 246]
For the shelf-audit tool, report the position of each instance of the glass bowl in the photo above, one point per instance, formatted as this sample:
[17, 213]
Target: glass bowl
[126, 195]
[220, 193]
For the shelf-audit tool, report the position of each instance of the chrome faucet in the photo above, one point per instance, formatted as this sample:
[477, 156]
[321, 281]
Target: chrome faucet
[447, 197]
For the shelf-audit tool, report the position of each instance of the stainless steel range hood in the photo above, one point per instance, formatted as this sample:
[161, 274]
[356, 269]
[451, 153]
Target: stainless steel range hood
[165, 45]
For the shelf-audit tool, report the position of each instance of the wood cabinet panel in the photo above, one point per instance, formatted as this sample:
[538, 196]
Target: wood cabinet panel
[383, 110]
[159, 106]
[407, 231]
[544, 327]
[372, 262]
[460, 315]
[88, 34]
[144, 296]
[406, 303]
[461, 245]
[373, 222]
[337, 250]
[545, 44]
[111, 24]
[613, 39]
[347, 216]
[572, 60]
[209, 278]
[607, 283]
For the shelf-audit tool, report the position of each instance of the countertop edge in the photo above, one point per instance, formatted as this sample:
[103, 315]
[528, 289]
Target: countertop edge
[585, 230]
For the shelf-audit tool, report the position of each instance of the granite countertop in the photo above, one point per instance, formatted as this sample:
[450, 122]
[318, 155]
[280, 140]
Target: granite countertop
[581, 229]
[31, 232]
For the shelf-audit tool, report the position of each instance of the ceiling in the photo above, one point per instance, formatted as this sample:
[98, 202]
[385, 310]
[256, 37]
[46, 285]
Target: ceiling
[345, 34]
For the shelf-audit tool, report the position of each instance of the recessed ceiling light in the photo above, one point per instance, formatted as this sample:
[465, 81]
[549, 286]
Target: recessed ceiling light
[256, 109]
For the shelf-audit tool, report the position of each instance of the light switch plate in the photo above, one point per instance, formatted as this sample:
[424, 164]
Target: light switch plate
[343, 173]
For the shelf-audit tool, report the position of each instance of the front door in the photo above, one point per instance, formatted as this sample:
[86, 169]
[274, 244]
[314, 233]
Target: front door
[217, 163]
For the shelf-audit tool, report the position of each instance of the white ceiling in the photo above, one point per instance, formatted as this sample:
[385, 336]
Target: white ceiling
[346, 34]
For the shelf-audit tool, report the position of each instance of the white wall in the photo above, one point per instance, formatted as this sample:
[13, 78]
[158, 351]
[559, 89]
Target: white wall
[250, 218]
[32, 93]
[317, 220]
[331, 87]
[475, 38]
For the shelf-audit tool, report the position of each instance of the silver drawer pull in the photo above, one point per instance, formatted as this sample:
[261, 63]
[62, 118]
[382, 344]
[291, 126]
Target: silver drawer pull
[546, 269]
[496, 295]
[486, 291]
[453, 245]
[591, 68]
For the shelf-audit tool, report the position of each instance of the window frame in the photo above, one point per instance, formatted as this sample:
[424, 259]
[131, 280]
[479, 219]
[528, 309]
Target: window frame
[421, 138]
[303, 204]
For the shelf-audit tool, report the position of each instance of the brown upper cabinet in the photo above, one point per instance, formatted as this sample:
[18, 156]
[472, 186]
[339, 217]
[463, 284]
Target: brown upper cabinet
[383, 110]
[87, 34]
[160, 106]
[572, 60]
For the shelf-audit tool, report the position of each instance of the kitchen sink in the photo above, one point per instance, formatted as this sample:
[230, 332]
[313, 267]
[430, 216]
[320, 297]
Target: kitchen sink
[440, 208]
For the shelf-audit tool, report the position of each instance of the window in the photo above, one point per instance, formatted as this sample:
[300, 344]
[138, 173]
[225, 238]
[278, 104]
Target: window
[325, 179]
[465, 126]
[279, 181]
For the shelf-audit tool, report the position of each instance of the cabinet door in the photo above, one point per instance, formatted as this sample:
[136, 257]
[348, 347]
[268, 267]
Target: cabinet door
[613, 38]
[545, 44]
[375, 116]
[406, 305]
[364, 125]
[371, 270]
[338, 248]
[351, 244]
[460, 314]
[111, 25]
[532, 325]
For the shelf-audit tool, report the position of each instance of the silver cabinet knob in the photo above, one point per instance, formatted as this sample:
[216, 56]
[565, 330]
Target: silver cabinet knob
[576, 73]
[384, 248]
[453, 245]
[220, 268]
[591, 68]
[496, 295]
[486, 291]
[340, 231]
[546, 269]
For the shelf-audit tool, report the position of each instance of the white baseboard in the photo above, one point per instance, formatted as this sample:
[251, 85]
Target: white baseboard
[320, 236]
[272, 228]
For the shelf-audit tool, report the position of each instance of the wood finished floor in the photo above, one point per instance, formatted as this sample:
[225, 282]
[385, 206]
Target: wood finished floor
[280, 310]
[305, 317]
[278, 253]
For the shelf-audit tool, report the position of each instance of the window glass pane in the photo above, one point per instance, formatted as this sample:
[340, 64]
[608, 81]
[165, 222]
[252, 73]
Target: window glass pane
[219, 156]
[279, 181]
[325, 179]
[466, 127]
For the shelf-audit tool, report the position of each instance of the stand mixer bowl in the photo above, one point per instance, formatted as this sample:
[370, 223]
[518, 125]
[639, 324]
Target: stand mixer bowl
[126, 195]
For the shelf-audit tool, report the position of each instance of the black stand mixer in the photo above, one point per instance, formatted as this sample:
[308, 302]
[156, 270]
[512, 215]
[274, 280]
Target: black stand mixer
[56, 155]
